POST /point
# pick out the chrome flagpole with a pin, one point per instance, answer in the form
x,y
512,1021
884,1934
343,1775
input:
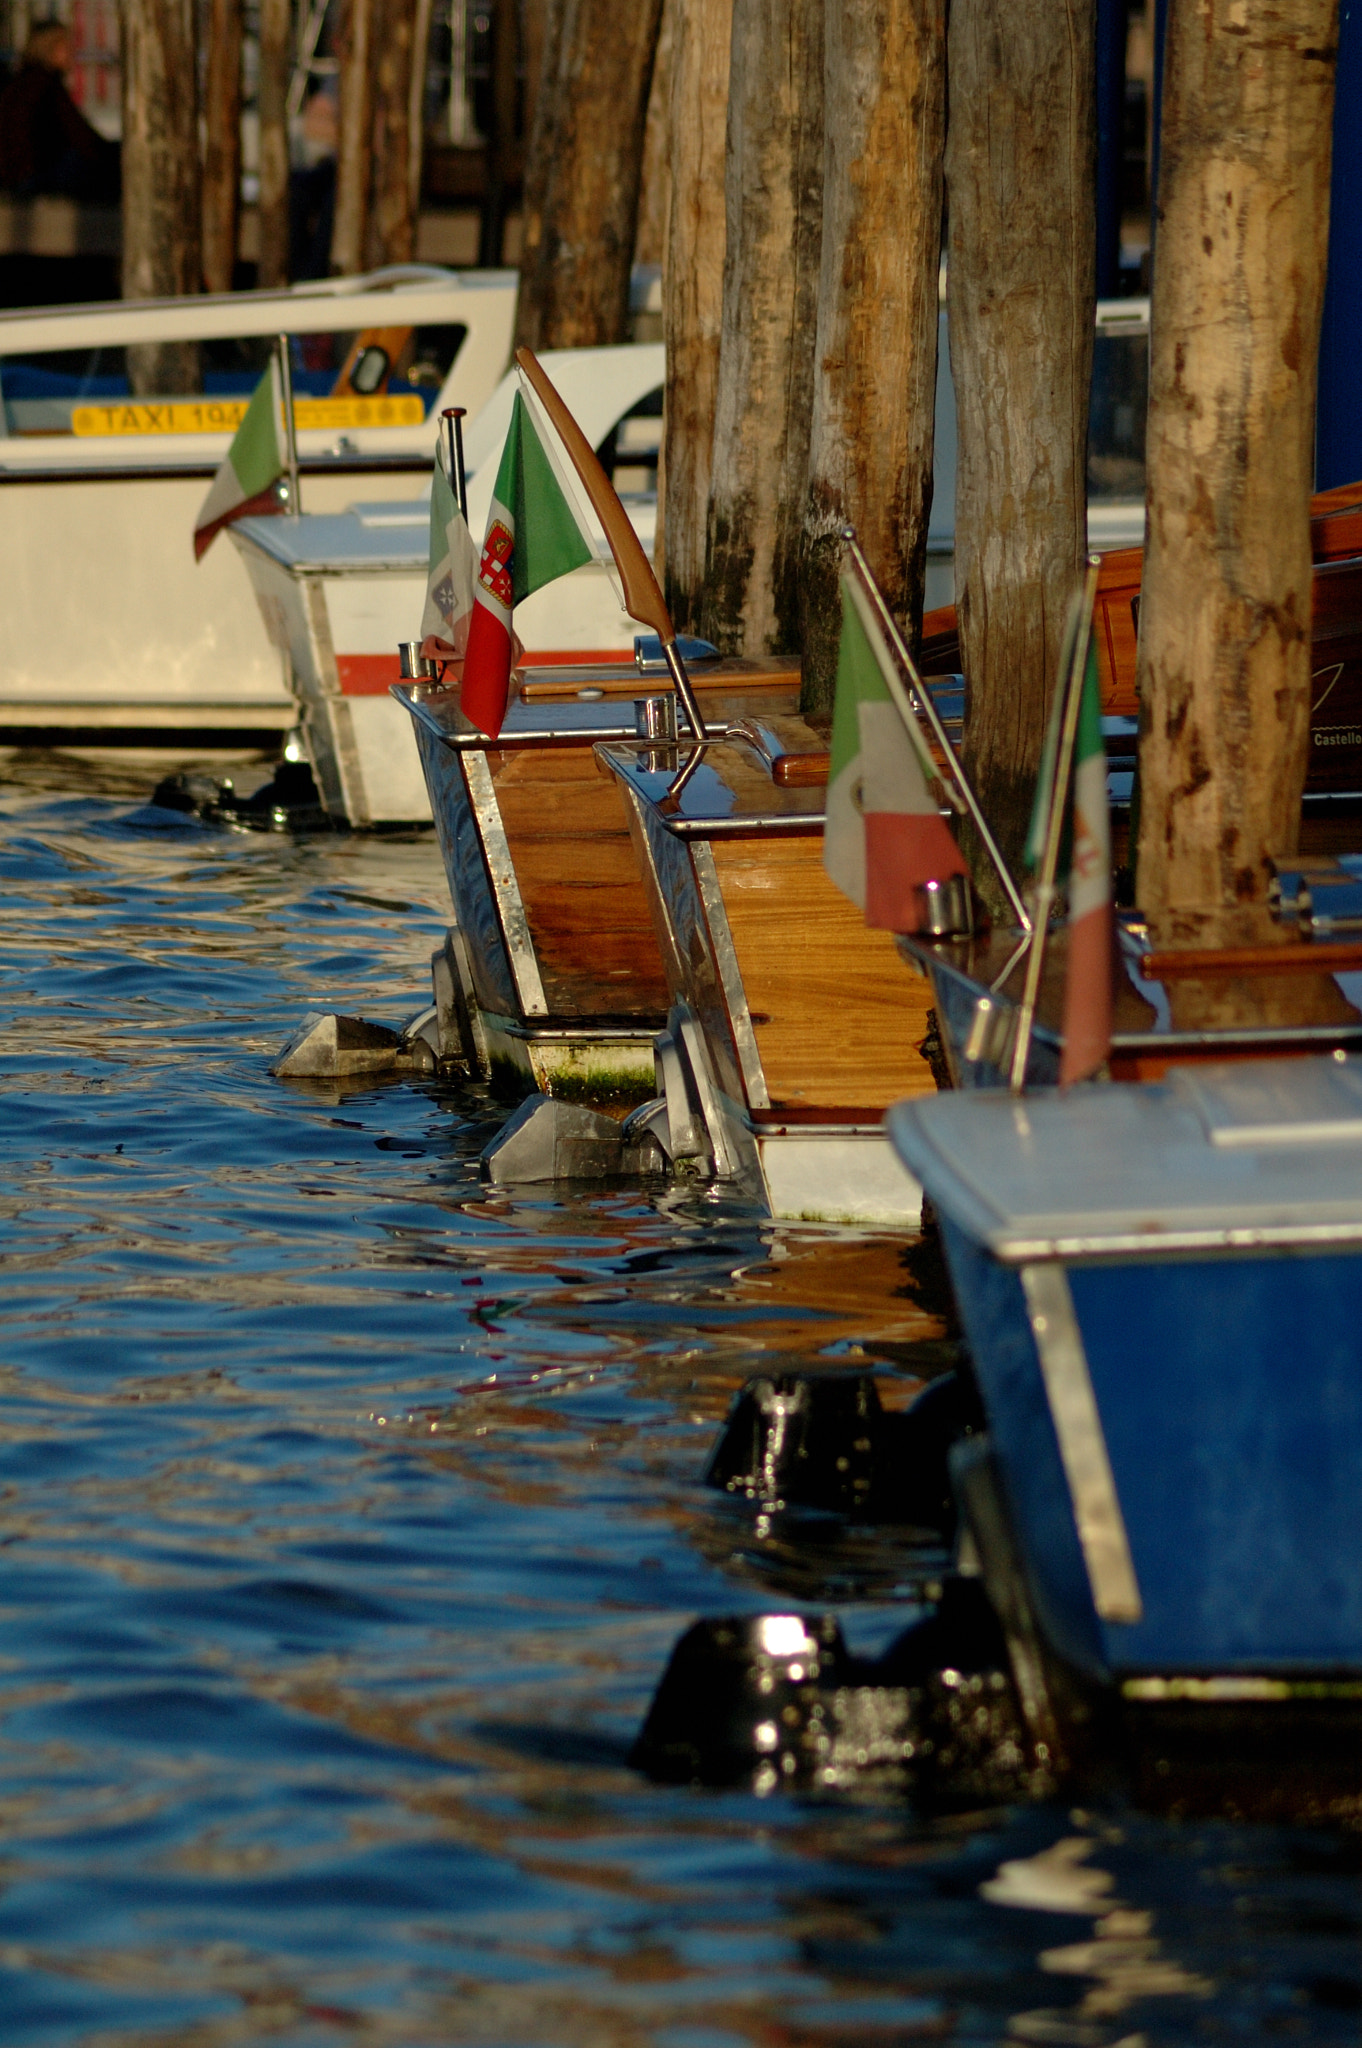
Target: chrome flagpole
x,y
1071,682
453,417
290,434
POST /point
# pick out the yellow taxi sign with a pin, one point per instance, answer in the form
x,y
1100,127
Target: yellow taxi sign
x,y
224,415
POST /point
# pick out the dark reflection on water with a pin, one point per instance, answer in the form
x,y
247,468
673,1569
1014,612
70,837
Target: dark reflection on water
x,y
347,1517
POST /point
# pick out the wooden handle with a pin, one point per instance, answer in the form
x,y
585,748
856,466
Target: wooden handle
x,y
1296,957
800,771
643,600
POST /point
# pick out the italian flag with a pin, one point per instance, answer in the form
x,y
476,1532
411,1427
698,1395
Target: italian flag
x,y
884,835
453,569
534,535
1088,983
251,467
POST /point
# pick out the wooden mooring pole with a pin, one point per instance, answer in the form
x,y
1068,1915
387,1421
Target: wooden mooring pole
x,y
276,22
874,358
1225,621
161,226
693,291
222,144
773,209
1020,174
582,180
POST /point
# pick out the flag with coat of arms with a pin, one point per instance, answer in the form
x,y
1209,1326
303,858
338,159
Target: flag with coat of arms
x,y
448,609
535,534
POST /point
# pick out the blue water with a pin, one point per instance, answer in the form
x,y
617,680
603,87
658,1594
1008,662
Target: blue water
x,y
347,1517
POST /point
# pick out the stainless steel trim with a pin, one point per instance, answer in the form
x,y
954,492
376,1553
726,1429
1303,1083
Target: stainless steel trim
x,y
791,822
1082,1446
572,1034
721,1127
139,472
1150,1246
515,927
730,976
327,717
832,1132
435,716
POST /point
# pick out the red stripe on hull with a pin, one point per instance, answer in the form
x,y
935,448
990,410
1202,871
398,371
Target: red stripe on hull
x,y
367,675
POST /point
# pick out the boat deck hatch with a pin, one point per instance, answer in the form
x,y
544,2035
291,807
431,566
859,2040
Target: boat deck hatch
x,y
1225,1155
1271,1102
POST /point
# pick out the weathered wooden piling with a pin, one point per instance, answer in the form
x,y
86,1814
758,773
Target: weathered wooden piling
x,y
655,170
161,224
1020,175
773,209
874,360
354,139
276,21
693,291
382,51
582,178
1224,657
390,226
221,144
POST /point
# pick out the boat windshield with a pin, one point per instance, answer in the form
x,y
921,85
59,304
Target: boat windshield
x,y
1119,402
387,376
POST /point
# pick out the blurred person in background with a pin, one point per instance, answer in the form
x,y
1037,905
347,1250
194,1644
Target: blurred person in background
x,y
46,143
312,186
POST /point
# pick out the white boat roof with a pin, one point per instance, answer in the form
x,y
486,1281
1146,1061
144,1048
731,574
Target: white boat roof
x,y
598,385
1222,1156
424,293
363,539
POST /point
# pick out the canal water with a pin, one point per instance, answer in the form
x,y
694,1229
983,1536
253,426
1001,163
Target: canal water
x,y
347,1517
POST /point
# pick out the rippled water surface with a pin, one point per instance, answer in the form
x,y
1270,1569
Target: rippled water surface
x,y
347,1518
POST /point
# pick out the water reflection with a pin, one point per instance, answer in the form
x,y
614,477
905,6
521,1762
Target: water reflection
x,y
347,1518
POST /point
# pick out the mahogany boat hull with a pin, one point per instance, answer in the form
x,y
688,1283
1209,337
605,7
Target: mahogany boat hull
x,y
805,1029
553,956
1157,1023
1334,766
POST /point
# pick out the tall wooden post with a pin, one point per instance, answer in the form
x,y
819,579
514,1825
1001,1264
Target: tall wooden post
x,y
501,139
161,249
390,223
574,288
222,144
1338,431
1020,168
354,140
543,39
693,292
765,375
874,385
1224,662
272,103
659,140
416,110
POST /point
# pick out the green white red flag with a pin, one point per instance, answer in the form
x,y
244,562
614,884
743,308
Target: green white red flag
x,y
884,834
1088,981
453,572
251,467
534,535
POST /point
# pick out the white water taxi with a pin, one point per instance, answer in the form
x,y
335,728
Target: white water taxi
x,y
111,629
